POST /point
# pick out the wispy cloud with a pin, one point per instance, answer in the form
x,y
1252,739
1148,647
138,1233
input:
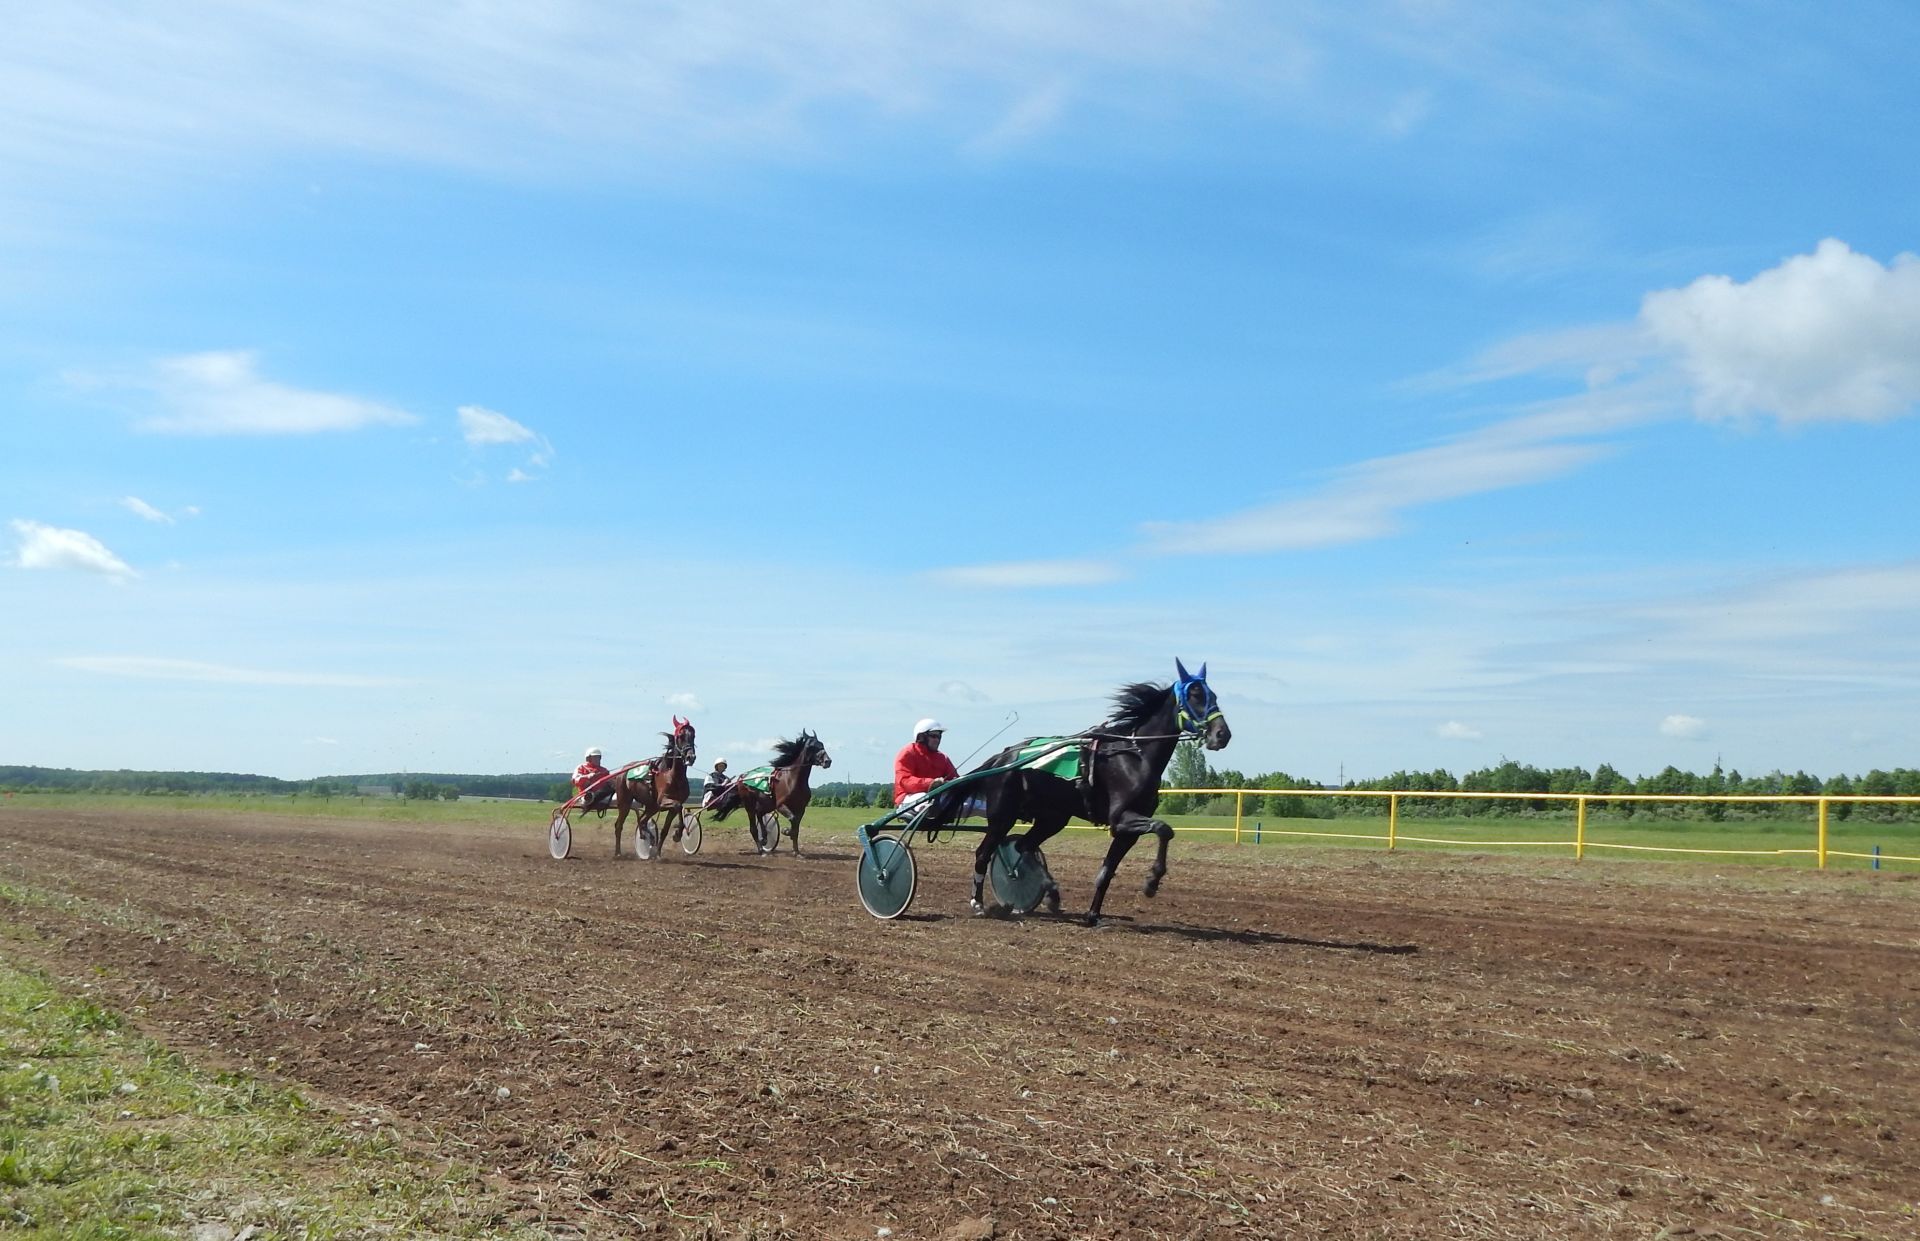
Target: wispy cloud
x,y
481,426
1364,501
146,512
145,668
222,393
52,547
1828,335
1029,573
1031,114
1686,727
683,702
484,428
1454,730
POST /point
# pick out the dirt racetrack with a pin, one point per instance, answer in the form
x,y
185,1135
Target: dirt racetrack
x,y
1282,1044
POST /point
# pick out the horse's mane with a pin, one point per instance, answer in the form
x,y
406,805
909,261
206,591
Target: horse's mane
x,y
786,753
1135,705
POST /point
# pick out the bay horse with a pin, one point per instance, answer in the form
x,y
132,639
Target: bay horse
x,y
1119,786
655,785
789,791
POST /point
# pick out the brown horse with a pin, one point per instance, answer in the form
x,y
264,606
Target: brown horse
x,y
655,785
787,794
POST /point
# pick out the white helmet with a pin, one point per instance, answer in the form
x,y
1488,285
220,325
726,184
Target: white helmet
x,y
928,726
593,752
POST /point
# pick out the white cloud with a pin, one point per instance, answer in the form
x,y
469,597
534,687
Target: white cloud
x,y
683,702
1684,726
220,393
1828,335
1454,730
1029,573
142,668
51,547
146,512
480,426
960,691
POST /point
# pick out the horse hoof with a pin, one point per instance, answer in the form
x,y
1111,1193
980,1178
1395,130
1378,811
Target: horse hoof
x,y
1151,887
979,910
1053,900
1093,920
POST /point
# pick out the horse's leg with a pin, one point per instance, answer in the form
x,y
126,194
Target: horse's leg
x,y
1046,825
1165,832
793,829
620,803
1124,832
997,829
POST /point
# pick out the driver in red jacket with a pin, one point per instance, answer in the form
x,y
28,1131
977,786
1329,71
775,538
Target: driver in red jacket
x,y
590,778
920,765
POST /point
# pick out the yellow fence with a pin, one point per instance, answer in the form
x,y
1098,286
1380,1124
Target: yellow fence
x,y
1579,842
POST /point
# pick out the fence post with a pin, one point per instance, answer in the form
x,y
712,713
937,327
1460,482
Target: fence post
x,y
1580,830
1239,812
1393,820
1823,833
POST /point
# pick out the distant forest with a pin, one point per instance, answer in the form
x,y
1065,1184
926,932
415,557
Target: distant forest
x,y
413,785
1190,769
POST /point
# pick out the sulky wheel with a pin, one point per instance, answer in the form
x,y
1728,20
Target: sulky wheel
x,y
887,877
1020,880
646,841
559,835
690,832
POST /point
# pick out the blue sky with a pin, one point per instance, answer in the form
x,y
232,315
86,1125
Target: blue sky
x,y
397,387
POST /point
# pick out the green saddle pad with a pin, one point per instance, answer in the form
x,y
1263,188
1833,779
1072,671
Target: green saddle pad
x,y
641,771
759,778
1057,756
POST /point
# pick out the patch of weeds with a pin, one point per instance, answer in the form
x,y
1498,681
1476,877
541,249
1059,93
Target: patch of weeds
x,y
106,1136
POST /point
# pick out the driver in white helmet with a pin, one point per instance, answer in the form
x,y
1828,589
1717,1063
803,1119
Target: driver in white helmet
x,y
591,779
920,765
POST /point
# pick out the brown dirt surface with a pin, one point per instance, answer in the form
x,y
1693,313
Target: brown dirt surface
x,y
1283,1043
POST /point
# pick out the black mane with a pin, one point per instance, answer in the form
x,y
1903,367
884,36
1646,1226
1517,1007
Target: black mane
x,y
1135,705
786,753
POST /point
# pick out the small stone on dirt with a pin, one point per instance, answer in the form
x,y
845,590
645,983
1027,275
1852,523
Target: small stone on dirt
x,y
970,1230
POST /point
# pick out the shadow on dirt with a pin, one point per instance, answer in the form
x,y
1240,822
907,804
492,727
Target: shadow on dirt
x,y
1209,934
1202,934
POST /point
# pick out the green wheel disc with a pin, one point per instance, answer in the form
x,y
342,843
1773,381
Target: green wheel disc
x,y
887,877
1019,879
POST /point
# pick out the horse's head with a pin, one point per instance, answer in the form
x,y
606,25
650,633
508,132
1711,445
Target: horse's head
x,y
680,746
1198,710
813,751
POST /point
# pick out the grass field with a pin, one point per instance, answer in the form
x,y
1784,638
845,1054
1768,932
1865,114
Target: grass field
x,y
105,1135
1647,836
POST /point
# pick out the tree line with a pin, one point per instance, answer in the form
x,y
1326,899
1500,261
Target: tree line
x,y
411,785
1190,769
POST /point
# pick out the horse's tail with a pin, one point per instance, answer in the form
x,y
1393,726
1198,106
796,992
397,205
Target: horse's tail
x,y
726,801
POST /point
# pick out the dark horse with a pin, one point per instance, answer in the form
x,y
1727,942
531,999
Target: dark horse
x,y
1119,785
655,785
788,792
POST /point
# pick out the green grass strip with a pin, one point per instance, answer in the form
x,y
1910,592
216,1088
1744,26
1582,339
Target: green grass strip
x,y
105,1135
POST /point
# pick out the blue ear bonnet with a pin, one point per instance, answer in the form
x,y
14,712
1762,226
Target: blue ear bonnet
x,y
1183,684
